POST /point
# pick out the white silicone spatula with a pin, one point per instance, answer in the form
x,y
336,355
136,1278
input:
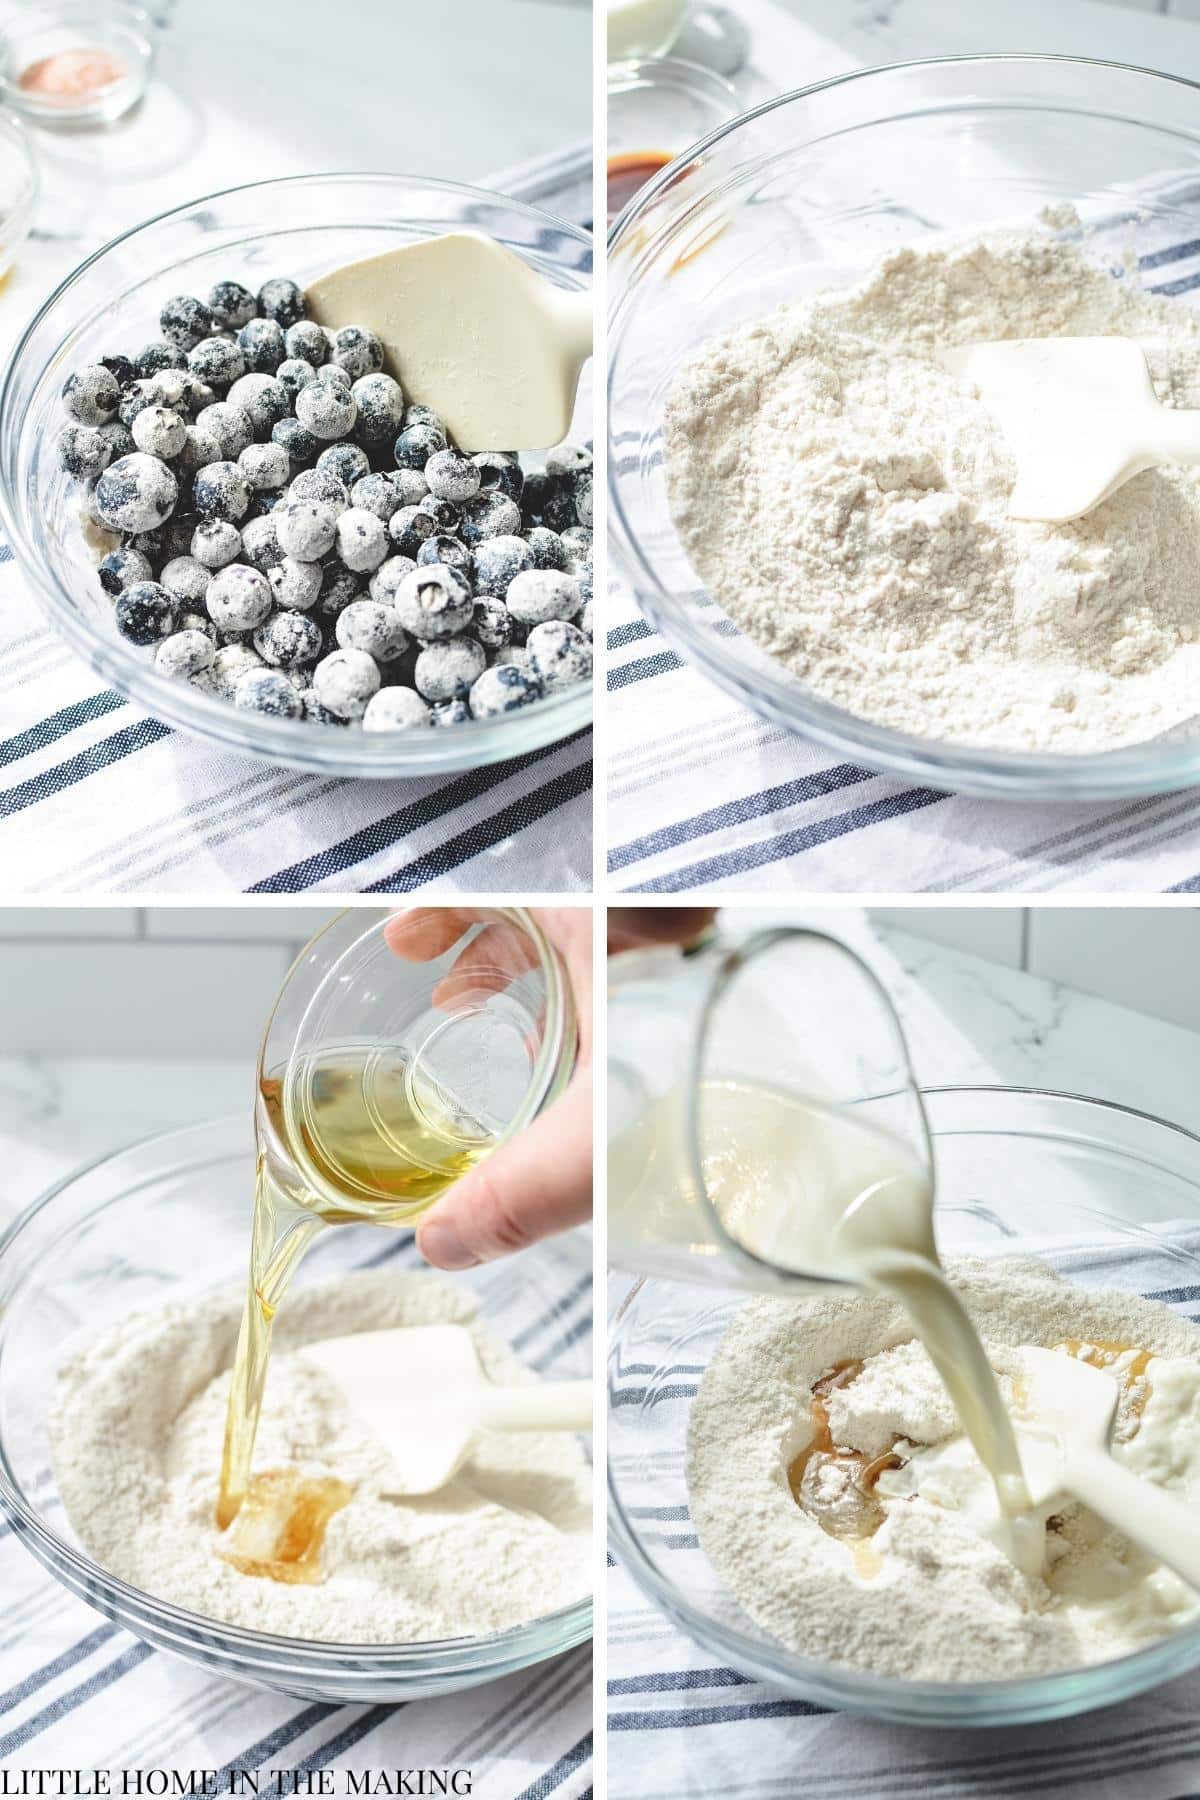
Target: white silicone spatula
x,y
1077,1404
421,1392
471,330
1079,415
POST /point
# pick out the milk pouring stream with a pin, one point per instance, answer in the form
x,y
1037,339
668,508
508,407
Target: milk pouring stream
x,y
772,1184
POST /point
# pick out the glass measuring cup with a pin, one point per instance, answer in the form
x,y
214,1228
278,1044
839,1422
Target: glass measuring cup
x,y
749,1084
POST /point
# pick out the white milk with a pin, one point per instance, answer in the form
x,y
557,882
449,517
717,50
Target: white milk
x,y
814,1192
642,27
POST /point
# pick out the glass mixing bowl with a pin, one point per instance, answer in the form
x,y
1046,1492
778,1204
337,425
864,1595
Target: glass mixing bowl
x,y
1111,1197
168,1219
807,192
299,227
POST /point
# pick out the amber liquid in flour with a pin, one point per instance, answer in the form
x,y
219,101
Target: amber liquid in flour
x,y
389,1158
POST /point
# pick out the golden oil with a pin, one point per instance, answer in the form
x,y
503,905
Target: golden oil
x,y
368,1142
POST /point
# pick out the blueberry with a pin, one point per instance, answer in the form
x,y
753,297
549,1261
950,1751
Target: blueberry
x,y
449,550
327,409
489,515
260,545
409,527
503,688
217,362
92,395
122,568
452,476
288,639
295,585
558,510
568,459
443,512
540,594
546,548
119,439
136,493
231,305
261,344
267,691
356,350
380,405
300,445
83,451
231,662
186,579
387,578
346,461
184,654
416,444
416,414
120,367
307,341
362,540
215,543
345,682
159,355
221,492
322,485
340,588
450,712
146,612
366,625
559,654
184,320
492,624
434,603
238,598
378,494
306,529
447,671
583,500
134,399
395,709
281,301
230,426
160,431
293,374
265,466
263,399
498,473
497,561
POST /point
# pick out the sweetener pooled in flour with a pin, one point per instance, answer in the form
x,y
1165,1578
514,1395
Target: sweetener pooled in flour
x,y
844,499
943,1603
136,1430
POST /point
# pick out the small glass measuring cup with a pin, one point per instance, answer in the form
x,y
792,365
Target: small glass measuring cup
x,y
402,1048
787,1031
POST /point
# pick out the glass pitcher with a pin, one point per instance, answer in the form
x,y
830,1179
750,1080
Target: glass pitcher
x,y
757,1090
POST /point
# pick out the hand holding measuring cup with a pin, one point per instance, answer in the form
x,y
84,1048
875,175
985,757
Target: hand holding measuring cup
x,y
540,1181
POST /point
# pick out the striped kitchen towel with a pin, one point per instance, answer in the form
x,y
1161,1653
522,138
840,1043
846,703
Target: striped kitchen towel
x,y
97,798
681,1724
704,795
76,1690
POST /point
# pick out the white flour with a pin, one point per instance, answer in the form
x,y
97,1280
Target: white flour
x,y
136,1432
941,1603
844,498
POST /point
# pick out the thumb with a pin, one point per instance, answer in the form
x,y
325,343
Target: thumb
x,y
539,1183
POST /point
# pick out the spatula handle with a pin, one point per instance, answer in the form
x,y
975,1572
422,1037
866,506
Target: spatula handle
x,y
572,313
1160,1522
542,1406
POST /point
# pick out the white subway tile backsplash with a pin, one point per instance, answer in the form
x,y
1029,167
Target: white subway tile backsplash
x,y
237,924
991,931
137,999
68,922
1147,958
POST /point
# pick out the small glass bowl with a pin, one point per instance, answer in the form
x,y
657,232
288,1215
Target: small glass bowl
x,y
169,1219
1084,1183
20,185
642,27
300,227
657,107
807,192
124,33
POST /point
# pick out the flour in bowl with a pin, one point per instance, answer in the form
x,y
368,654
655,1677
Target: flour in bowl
x,y
843,497
136,1430
895,1580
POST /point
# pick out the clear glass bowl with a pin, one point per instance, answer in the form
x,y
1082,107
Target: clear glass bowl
x,y
298,227
659,105
124,32
167,1219
1081,1182
807,192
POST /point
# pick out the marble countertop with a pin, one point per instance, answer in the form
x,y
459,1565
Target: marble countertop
x,y
459,91
968,1020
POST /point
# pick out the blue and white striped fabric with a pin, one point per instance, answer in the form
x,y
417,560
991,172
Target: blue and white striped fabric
x,y
96,798
704,795
75,1689
682,1725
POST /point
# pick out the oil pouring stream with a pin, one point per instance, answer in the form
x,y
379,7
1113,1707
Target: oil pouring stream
x,y
370,1136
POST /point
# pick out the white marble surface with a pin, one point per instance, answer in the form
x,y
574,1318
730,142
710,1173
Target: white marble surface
x,y
459,89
